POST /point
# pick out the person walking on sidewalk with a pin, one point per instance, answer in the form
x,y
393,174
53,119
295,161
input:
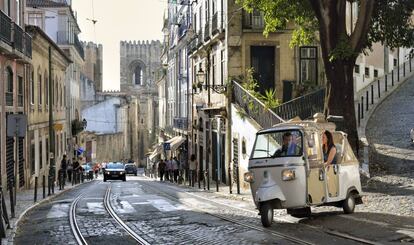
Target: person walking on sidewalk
x,y
175,169
69,171
63,168
193,169
168,170
161,168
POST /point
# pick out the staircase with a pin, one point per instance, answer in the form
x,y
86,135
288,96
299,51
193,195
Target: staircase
x,y
304,107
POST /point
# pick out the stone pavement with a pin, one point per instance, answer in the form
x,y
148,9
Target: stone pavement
x,y
388,132
25,202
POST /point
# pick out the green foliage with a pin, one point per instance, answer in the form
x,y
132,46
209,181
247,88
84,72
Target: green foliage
x,y
343,50
269,99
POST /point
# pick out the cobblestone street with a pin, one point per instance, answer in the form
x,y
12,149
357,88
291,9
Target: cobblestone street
x,y
165,213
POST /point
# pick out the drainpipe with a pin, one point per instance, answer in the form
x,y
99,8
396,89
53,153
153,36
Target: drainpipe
x,y
51,131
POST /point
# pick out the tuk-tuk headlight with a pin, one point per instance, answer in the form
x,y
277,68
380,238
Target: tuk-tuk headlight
x,y
249,177
288,174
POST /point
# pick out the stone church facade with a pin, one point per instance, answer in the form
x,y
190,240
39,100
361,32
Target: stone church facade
x,y
139,64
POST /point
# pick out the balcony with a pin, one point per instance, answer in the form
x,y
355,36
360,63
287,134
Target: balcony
x,y
207,32
28,45
182,30
214,24
199,38
9,98
253,21
18,38
64,38
180,123
5,28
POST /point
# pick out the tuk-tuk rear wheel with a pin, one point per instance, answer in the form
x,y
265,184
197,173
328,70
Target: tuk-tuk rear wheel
x,y
349,204
266,214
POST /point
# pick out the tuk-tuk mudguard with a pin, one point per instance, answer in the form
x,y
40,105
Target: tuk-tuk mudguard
x,y
268,193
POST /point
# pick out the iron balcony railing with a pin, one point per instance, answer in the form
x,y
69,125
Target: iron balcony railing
x,y
169,130
207,31
192,46
9,99
5,28
28,45
304,107
180,123
254,108
18,37
199,38
63,37
214,24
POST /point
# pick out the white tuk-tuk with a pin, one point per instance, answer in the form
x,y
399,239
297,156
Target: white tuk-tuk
x,y
286,170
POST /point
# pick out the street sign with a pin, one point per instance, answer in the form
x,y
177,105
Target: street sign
x,y
167,146
16,124
58,127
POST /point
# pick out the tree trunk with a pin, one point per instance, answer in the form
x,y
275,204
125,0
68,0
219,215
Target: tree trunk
x,y
341,97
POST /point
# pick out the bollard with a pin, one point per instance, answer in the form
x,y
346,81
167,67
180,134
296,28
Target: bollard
x,y
403,71
208,179
410,63
44,186
362,107
199,174
11,199
392,78
229,172
35,190
386,83
237,179
372,94
204,179
379,89
217,180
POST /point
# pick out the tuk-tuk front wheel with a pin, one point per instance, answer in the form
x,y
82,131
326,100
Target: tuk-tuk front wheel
x,y
349,204
266,214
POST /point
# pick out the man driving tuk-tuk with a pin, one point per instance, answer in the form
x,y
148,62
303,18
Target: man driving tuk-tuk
x,y
299,164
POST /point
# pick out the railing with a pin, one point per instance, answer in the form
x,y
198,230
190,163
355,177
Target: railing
x,y
254,108
28,45
214,24
367,97
18,37
180,123
207,31
9,99
192,46
304,107
79,47
199,38
63,38
5,28
169,130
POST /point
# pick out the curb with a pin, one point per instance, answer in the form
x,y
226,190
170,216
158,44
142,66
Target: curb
x,y
10,239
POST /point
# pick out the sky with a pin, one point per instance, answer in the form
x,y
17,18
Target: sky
x,y
131,20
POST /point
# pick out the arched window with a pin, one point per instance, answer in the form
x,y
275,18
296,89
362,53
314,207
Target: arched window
x,y
137,77
10,87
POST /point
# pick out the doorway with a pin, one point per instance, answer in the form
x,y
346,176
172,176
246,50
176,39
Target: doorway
x,y
263,63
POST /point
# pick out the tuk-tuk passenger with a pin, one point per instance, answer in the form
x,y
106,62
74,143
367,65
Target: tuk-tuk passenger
x,y
329,149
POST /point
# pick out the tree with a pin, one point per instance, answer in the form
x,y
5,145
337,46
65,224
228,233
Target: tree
x,y
387,21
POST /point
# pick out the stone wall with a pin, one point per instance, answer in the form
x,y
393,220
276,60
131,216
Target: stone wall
x,y
110,147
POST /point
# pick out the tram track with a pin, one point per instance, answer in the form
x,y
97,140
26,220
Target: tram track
x,y
334,233
77,232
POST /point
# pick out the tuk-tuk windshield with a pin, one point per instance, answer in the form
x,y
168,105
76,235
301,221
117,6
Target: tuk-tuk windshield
x,y
286,143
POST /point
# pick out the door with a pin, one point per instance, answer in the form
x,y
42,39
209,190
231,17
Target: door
x,y
316,177
332,174
263,62
213,146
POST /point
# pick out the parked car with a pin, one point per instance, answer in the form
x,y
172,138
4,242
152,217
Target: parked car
x,y
115,170
130,168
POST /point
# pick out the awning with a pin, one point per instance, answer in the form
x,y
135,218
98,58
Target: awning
x,y
156,152
176,142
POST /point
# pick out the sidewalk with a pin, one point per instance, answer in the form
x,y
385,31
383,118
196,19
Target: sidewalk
x,y
24,203
224,190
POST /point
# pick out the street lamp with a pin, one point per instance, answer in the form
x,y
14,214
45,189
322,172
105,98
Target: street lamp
x,y
84,123
201,82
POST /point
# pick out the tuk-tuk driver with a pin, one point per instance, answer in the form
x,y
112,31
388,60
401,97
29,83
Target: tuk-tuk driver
x,y
289,147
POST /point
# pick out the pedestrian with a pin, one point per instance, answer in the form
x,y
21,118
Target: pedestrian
x,y
175,169
193,169
76,170
155,170
161,168
169,170
64,167
69,171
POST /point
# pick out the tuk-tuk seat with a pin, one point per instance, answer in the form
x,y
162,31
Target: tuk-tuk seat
x,y
338,153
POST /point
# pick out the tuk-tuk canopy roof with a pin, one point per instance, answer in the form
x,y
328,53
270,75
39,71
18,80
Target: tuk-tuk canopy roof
x,y
307,125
